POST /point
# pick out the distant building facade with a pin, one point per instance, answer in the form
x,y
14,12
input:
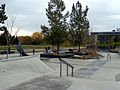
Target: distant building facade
x,y
105,37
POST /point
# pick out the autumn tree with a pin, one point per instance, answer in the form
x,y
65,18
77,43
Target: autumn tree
x,y
26,40
37,37
56,32
79,24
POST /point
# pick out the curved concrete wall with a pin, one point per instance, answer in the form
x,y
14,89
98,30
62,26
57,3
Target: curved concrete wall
x,y
17,70
32,64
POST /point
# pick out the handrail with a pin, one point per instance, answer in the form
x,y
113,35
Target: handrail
x,y
119,52
108,56
66,63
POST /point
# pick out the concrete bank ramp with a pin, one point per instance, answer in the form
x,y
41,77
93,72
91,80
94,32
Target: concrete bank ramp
x,y
17,70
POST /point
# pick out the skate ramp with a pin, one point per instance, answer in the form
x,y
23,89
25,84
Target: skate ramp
x,y
20,50
15,71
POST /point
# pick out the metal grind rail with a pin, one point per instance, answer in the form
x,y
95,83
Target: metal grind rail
x,y
119,51
67,64
108,57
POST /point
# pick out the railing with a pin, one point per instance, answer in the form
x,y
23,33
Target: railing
x,y
67,64
108,57
119,51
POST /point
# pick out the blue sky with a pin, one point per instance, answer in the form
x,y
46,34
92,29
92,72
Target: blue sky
x,y
104,15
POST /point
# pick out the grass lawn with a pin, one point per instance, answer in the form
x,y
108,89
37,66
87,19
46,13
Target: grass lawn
x,y
107,44
13,47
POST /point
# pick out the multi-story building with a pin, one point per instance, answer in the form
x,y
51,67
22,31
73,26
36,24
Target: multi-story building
x,y
105,37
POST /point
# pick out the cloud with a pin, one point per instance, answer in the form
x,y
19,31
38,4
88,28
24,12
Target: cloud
x,y
104,15
20,32
23,32
29,14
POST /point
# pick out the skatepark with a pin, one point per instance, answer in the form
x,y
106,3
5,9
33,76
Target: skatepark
x,y
31,73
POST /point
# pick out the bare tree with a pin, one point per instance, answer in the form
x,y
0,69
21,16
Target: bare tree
x,y
10,25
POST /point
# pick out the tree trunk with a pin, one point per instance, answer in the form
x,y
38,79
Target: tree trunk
x,y
79,47
58,48
52,47
8,48
73,45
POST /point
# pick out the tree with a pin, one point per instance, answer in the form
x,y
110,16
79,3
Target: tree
x,y
57,22
86,33
26,40
3,36
79,24
6,38
3,17
37,37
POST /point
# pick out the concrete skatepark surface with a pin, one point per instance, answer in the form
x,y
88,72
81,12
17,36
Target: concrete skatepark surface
x,y
30,73
17,70
44,83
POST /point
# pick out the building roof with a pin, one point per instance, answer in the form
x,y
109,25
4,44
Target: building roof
x,y
107,33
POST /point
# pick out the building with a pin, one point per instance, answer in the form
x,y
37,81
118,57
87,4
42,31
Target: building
x,y
105,37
